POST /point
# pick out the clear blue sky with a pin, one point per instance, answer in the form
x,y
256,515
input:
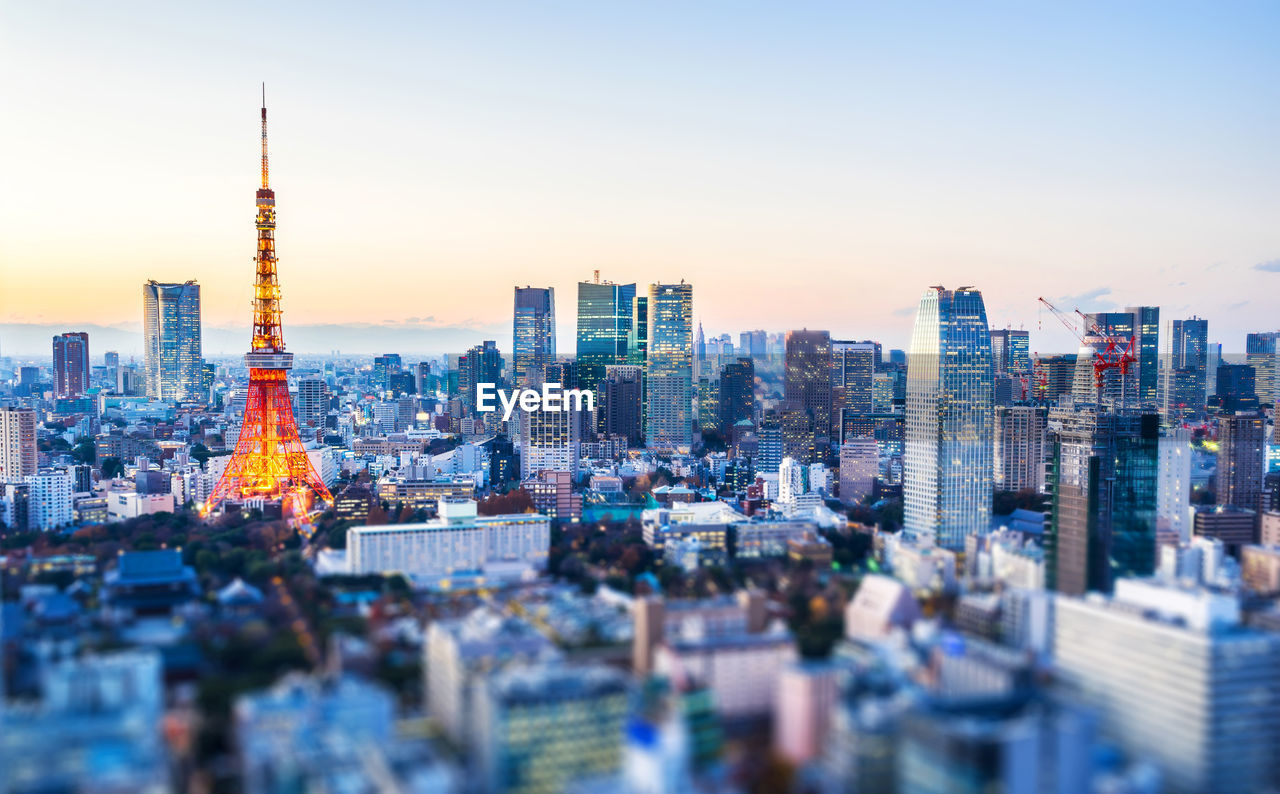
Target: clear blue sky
x,y
803,164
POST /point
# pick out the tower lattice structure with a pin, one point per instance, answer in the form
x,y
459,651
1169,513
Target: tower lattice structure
x,y
269,460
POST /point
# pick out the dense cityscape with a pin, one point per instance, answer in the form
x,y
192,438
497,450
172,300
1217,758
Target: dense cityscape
x,y
785,555
762,562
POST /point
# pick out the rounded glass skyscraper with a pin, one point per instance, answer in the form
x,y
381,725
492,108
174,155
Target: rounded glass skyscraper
x,y
949,432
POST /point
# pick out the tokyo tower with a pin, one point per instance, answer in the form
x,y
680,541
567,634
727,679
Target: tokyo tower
x,y
269,461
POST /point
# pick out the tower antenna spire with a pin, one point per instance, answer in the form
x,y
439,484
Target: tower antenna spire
x,y
264,136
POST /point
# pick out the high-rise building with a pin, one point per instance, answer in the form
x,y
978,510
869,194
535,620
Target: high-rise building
x,y
50,494
70,364
1173,489
1236,388
422,382
17,444
707,396
669,381
1105,471
534,334
112,360
1146,348
313,402
1020,447
737,392
384,367
853,374
604,323
859,467
1260,353
1242,450
1054,376
480,364
1115,387
769,451
550,441
1185,371
638,337
808,390
619,403
1011,351
753,344
544,727
949,436
1176,677
171,341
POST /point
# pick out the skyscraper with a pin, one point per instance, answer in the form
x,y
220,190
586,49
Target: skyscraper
x,y
1236,388
313,402
1105,484
619,400
480,364
1242,446
70,364
534,334
550,441
1185,372
853,381
1260,352
171,341
384,367
1118,388
808,390
1146,347
669,381
604,323
112,359
17,444
737,393
948,446
1019,447
1011,351
1173,486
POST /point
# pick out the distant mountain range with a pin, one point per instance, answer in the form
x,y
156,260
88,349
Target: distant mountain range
x,y
33,340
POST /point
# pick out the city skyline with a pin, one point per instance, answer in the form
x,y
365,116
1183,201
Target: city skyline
x,y
1141,178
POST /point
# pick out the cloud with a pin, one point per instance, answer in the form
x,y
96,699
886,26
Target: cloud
x,y
1272,266
1086,301
906,311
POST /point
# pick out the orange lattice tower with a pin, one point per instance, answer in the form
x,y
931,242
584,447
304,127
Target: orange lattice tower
x,y
269,460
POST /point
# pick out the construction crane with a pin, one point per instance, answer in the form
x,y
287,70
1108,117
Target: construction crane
x,y
1109,350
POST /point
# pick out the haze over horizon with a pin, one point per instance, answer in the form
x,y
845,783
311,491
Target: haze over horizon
x,y
814,165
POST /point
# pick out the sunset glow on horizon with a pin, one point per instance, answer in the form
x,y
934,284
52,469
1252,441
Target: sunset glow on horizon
x,y
810,165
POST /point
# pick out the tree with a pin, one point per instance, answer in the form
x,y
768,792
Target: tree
x,y
377,514
517,501
200,453
111,468
85,451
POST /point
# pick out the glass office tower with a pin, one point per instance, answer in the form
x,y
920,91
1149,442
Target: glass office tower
x,y
171,331
534,334
669,381
604,322
1105,477
949,429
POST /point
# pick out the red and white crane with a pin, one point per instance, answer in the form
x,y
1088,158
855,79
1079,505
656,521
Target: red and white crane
x,y
1110,351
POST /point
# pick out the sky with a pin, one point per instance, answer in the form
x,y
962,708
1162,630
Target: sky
x,y
801,164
